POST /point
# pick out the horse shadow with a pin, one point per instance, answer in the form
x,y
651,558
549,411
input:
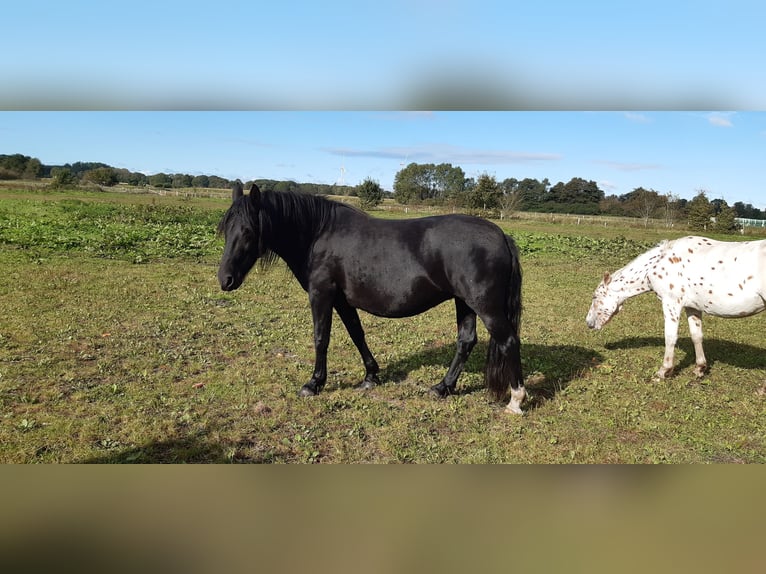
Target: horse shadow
x,y
738,355
548,369
196,448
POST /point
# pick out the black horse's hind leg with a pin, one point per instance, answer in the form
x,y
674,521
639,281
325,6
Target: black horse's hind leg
x,y
503,368
466,340
350,318
321,311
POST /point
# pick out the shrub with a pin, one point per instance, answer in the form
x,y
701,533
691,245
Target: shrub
x,y
370,193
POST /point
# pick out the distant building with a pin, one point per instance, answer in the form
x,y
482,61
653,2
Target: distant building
x,y
750,222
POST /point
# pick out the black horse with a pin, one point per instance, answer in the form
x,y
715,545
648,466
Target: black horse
x,y
346,260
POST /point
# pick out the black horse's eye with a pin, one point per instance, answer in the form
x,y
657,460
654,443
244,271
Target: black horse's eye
x,y
245,234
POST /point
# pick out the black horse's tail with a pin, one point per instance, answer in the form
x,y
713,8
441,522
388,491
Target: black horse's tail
x,y
504,357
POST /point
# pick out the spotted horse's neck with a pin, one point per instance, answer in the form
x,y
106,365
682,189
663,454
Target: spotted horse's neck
x,y
634,278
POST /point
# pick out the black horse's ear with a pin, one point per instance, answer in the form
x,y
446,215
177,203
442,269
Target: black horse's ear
x,y
236,190
255,195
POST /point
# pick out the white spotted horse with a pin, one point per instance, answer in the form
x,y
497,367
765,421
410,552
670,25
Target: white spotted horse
x,y
696,274
346,260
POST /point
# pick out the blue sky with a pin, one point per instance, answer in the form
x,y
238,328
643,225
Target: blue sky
x,y
398,54
677,152
654,56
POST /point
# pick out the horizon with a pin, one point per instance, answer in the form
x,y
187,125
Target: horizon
x,y
148,175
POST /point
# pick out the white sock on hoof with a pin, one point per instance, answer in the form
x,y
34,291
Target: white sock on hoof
x,y
517,397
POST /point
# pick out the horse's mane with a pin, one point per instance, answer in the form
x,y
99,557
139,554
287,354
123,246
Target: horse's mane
x,y
283,218
303,210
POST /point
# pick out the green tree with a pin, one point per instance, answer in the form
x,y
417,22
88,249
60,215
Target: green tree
x,y
643,203
161,180
219,182
407,186
286,186
201,181
486,194
101,176
533,193
511,198
747,211
575,196
670,208
78,168
725,219
700,212
448,181
370,193
33,169
14,164
611,205
181,180
134,178
420,182
63,177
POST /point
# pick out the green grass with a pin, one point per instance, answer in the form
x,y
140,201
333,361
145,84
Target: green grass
x,y
117,345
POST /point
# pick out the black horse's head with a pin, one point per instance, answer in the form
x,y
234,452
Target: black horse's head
x,y
241,230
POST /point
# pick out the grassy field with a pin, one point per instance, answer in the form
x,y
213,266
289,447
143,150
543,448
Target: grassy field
x,y
117,345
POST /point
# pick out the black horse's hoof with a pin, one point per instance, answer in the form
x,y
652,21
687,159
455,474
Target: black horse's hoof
x,y
307,391
441,390
366,385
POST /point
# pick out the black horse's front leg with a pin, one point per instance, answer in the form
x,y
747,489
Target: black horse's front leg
x,y
321,312
350,318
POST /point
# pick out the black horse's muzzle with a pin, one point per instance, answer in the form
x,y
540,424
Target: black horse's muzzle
x,y
228,281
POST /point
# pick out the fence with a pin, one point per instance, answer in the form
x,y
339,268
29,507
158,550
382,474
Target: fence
x,y
751,222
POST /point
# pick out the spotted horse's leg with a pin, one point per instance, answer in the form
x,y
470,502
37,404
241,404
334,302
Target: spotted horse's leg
x,y
672,314
695,330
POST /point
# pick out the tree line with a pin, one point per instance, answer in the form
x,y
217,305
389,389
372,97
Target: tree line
x,y
430,184
447,184
19,166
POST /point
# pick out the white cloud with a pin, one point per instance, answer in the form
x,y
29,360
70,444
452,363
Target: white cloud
x,y
637,118
608,185
440,153
625,166
720,119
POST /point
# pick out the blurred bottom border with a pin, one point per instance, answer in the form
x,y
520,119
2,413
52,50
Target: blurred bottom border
x,y
380,518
